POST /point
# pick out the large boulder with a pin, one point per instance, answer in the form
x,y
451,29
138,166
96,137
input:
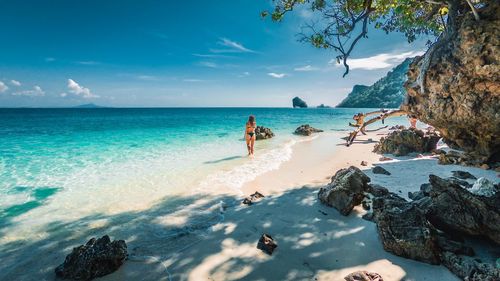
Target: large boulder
x,y
262,133
404,229
459,93
298,102
403,142
97,258
455,209
346,190
306,130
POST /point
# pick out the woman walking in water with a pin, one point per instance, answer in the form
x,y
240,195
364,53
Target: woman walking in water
x,y
250,134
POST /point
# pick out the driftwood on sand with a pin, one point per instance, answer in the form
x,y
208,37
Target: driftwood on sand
x,y
361,125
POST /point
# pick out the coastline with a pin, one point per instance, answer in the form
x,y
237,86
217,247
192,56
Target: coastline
x,y
212,236
314,241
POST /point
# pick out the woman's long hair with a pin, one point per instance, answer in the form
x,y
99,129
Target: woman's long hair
x,y
251,120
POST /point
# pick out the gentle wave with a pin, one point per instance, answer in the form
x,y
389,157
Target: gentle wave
x,y
236,177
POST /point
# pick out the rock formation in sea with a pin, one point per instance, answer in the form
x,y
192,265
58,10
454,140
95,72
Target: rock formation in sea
x,y
455,87
306,130
388,92
403,142
323,106
298,102
97,258
262,133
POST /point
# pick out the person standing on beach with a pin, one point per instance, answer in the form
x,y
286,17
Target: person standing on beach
x,y
250,134
413,122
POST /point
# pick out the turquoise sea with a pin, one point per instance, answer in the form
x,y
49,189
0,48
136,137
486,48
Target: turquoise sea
x,y
157,177
110,159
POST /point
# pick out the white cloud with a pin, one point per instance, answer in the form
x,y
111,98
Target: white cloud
x,y
208,64
15,83
306,68
3,87
379,61
90,62
63,95
36,92
244,74
276,75
231,47
78,90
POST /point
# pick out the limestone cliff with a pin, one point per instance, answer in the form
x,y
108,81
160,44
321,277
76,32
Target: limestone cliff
x,y
388,92
461,85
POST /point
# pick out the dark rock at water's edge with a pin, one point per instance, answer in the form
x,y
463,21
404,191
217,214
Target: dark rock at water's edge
x,y
470,268
460,93
388,92
266,244
346,190
323,106
262,133
363,276
380,170
97,258
306,130
456,209
298,102
464,159
404,229
403,142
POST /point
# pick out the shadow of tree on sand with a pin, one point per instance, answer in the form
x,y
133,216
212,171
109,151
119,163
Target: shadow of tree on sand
x,y
200,238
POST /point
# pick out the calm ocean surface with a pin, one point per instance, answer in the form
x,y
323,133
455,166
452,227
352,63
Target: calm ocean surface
x,y
97,157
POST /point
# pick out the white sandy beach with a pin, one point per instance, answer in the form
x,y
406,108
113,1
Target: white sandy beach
x,y
212,236
315,242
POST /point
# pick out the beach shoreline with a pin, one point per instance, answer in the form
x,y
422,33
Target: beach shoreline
x,y
212,236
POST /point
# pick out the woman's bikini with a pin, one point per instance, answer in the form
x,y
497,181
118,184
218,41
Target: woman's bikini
x,y
252,133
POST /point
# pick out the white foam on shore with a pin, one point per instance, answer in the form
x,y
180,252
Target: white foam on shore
x,y
235,177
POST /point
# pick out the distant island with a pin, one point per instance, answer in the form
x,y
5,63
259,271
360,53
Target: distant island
x,y
388,92
89,105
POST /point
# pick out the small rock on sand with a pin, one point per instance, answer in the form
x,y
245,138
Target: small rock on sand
x,y
363,276
463,175
266,244
252,198
384,158
380,170
364,163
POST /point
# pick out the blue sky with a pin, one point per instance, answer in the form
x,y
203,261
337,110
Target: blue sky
x,y
174,53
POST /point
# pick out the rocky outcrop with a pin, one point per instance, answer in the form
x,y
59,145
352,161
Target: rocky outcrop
x,y
306,130
262,133
97,258
346,190
388,92
298,102
404,230
456,209
469,268
463,175
461,87
403,142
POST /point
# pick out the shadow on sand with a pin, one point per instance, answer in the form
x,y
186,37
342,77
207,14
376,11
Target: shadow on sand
x,y
200,238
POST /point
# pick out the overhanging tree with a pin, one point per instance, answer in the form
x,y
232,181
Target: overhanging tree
x,y
341,24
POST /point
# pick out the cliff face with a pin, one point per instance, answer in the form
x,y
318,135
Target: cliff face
x,y
461,95
388,92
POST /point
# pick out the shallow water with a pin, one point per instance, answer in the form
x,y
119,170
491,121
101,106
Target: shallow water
x,y
67,174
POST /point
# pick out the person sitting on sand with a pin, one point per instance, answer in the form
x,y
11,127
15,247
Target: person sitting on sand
x,y
250,134
413,121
